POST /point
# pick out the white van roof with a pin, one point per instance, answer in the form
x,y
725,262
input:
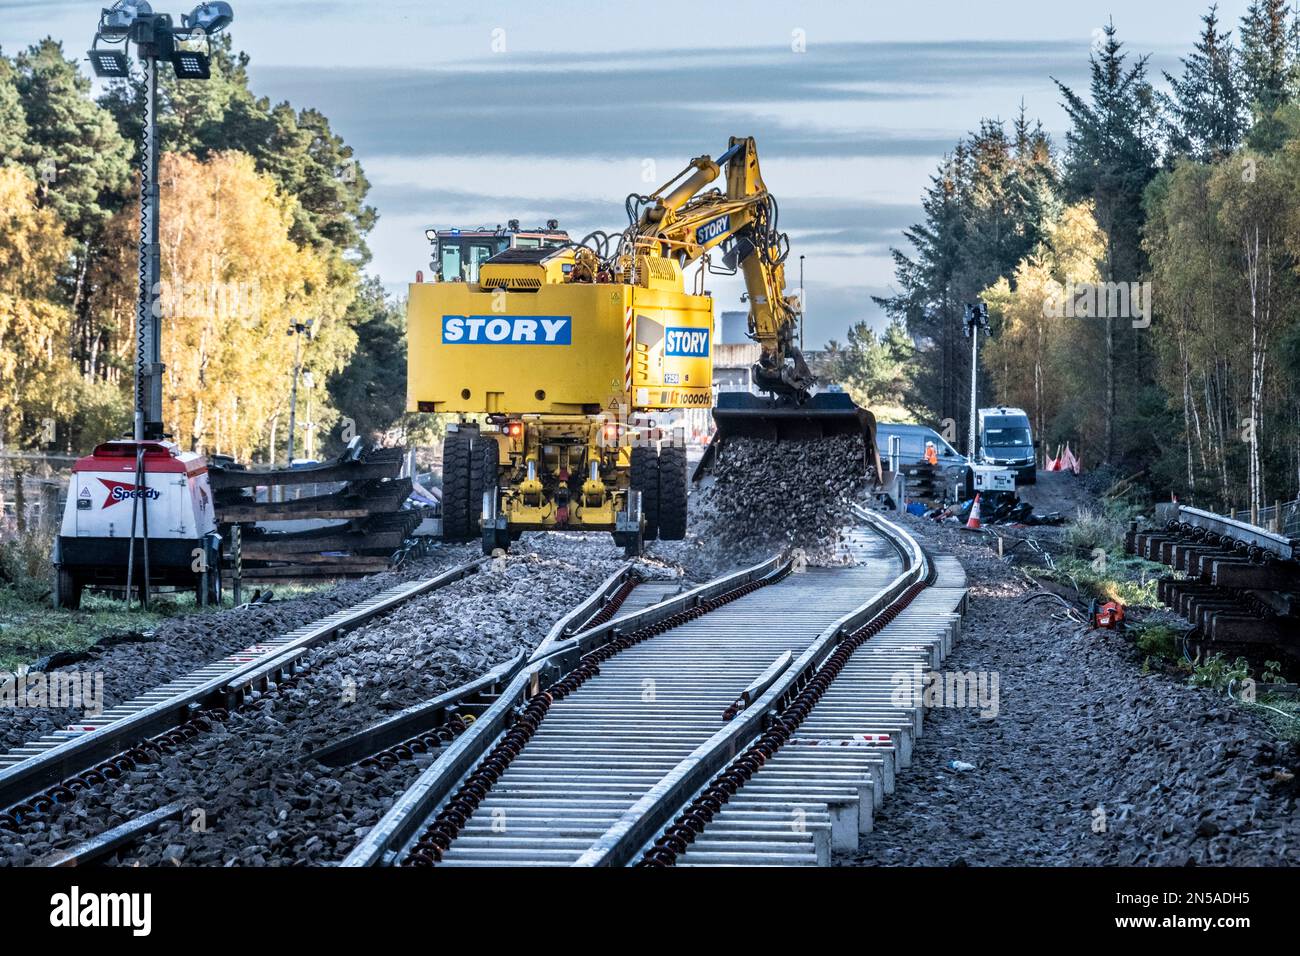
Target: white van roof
x,y
1003,410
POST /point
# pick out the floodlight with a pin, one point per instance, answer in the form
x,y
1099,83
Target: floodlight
x,y
116,21
209,18
109,64
190,65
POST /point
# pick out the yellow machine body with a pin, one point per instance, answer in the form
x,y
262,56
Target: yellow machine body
x,y
524,341
565,372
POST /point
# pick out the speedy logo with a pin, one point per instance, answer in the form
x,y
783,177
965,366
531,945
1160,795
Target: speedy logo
x,y
507,330
123,491
686,343
711,230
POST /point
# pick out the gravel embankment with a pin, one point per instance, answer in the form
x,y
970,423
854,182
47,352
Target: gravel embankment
x,y
265,801
183,644
1178,775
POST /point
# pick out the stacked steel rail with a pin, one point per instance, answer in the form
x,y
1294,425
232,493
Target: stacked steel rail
x,y
370,529
1237,585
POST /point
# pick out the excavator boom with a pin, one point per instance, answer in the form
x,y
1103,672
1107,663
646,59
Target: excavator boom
x,y
680,220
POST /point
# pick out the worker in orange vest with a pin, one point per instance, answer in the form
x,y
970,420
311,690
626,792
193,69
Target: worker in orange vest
x,y
931,455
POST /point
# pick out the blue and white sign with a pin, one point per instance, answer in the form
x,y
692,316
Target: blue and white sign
x,y
686,343
712,230
507,330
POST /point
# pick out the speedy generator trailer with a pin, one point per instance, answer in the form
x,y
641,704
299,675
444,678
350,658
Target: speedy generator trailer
x,y
566,376
145,497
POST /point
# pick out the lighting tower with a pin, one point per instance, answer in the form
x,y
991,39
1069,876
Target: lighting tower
x,y
156,40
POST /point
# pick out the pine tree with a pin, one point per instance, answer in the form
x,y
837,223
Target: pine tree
x,y
984,211
80,158
1207,107
1110,159
1266,55
298,149
13,121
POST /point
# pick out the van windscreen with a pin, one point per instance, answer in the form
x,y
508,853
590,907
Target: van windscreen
x,y
1003,431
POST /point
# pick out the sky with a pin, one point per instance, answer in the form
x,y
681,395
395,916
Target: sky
x,y
471,114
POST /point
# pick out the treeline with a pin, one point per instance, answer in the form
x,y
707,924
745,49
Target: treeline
x,y
264,221
1142,277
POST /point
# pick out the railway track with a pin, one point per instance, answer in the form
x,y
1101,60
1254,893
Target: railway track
x,y
55,767
415,730
751,720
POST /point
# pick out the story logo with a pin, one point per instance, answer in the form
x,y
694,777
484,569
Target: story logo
x,y
119,491
712,230
74,909
686,343
507,329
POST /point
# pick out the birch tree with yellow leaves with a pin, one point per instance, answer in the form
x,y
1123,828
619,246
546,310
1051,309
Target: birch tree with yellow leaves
x,y
1034,359
36,374
232,282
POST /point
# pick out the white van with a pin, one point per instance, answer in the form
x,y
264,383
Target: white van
x,y
1005,439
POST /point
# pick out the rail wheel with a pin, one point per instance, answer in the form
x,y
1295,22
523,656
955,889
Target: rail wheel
x,y
672,493
456,486
645,479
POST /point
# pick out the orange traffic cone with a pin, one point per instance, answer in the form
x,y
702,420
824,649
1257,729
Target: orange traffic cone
x,y
973,522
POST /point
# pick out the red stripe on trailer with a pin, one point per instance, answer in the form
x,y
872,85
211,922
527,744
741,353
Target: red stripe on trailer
x,y
159,458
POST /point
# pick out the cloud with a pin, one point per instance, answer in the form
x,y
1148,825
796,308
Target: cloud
x,y
684,101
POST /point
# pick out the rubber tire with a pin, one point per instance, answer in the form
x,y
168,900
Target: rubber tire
x,y
645,479
455,486
672,493
475,502
67,590
487,465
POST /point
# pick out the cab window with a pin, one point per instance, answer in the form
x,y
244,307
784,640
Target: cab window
x,y
479,253
451,263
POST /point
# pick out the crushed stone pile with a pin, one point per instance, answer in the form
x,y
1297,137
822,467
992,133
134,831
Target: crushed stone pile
x,y
764,496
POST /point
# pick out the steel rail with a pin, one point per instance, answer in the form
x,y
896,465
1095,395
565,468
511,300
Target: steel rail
x,y
110,841
171,707
623,841
401,825
547,775
427,725
1282,546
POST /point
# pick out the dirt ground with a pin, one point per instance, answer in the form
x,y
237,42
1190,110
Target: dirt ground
x,y
1059,491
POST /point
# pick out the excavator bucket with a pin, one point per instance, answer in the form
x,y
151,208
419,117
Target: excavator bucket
x,y
741,414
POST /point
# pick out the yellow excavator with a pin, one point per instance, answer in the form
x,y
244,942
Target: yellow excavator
x,y
564,355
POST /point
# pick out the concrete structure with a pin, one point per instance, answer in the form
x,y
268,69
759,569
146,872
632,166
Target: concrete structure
x,y
733,328
731,366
